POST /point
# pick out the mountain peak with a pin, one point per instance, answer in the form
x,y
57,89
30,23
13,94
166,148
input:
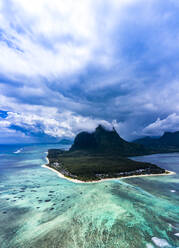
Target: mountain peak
x,y
168,142
101,127
103,141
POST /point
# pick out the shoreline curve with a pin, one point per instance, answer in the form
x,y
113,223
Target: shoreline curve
x,y
168,173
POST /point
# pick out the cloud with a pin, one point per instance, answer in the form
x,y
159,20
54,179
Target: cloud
x,y
8,135
66,124
44,39
171,123
69,65
53,39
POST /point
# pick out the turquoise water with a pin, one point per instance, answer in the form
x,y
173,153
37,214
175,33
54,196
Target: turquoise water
x,y
39,209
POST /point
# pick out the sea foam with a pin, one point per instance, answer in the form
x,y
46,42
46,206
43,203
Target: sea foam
x,y
18,151
160,242
150,246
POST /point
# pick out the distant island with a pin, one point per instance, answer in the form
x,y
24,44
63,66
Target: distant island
x,y
101,155
168,142
65,142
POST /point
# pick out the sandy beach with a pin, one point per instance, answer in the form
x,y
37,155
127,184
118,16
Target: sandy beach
x,y
168,173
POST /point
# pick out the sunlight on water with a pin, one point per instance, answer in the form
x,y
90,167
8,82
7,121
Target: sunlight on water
x,y
39,209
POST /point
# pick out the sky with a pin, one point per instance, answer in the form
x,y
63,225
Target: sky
x,y
67,66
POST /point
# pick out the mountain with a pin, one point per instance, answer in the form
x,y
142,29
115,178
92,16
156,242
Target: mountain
x,y
98,155
168,142
106,141
65,142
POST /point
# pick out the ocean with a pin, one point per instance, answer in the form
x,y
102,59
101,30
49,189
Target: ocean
x,y
38,209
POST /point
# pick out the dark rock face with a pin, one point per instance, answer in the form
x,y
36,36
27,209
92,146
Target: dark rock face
x,y
98,155
108,140
105,141
84,140
170,139
167,142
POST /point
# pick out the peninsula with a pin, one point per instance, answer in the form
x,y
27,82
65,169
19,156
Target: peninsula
x,y
100,155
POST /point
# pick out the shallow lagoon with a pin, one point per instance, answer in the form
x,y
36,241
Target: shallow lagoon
x,y
39,209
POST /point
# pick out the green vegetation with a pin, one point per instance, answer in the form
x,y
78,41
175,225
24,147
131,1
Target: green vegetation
x,y
168,142
98,155
88,167
106,142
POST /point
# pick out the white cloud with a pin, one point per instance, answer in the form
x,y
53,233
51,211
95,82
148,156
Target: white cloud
x,y
8,135
66,124
52,37
170,123
56,38
109,59
4,123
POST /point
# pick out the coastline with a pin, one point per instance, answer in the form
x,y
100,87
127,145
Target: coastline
x,y
168,173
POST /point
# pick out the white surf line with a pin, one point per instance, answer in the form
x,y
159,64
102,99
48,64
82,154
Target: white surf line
x,y
61,175
160,242
18,151
105,179
101,180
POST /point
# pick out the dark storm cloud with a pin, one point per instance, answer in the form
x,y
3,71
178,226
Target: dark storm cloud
x,y
118,66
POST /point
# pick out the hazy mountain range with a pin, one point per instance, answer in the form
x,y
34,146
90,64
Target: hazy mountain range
x,y
168,142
